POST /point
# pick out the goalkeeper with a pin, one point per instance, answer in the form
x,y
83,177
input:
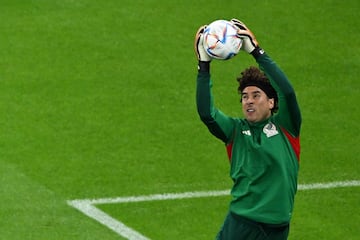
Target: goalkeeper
x,y
263,147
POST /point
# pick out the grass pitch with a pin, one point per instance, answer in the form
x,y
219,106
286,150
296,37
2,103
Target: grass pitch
x,y
98,100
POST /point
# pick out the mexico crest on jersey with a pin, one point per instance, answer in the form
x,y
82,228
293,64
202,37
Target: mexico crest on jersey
x,y
270,130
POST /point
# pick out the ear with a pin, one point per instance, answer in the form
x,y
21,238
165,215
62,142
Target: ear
x,y
271,102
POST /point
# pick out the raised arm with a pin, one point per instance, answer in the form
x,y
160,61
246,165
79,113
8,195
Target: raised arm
x,y
217,122
289,115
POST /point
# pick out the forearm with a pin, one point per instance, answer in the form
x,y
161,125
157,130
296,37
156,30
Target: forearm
x,y
276,76
217,122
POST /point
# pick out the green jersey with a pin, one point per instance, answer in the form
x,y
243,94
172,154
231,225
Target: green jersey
x,y
264,157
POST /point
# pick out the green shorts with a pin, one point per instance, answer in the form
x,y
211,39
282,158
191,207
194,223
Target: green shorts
x,y
239,228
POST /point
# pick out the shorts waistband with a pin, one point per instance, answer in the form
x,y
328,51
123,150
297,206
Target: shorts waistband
x,y
264,225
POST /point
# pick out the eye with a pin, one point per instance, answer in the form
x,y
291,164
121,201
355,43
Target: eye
x,y
244,97
256,95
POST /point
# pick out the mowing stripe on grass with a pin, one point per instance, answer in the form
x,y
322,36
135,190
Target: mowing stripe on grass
x,y
87,206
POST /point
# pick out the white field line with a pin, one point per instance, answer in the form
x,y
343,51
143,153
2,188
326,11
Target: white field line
x,y
87,206
103,218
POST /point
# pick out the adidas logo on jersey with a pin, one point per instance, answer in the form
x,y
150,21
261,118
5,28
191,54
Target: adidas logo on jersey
x,y
246,132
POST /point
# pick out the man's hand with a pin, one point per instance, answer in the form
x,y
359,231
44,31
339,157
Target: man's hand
x,y
199,47
249,40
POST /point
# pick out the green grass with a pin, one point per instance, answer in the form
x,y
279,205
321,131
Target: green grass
x,y
97,100
326,214
171,219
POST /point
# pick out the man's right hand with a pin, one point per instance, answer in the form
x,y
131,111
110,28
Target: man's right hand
x,y
199,47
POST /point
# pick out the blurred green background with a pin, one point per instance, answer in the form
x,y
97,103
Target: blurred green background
x,y
97,99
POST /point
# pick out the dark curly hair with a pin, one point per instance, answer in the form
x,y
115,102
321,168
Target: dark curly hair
x,y
252,76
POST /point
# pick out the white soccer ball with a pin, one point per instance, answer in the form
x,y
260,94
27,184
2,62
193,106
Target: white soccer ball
x,y
221,40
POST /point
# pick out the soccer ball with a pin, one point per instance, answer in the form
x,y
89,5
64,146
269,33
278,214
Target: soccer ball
x,y
221,40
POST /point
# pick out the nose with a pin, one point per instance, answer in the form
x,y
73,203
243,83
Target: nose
x,y
249,100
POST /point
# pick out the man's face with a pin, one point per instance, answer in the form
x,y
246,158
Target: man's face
x,y
256,105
